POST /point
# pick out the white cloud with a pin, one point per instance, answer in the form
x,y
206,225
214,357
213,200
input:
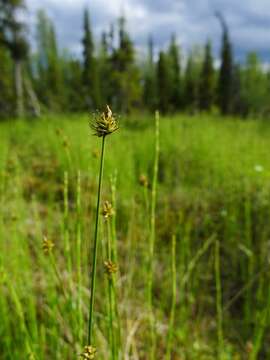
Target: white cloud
x,y
192,20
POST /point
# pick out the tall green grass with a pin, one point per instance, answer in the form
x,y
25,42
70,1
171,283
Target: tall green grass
x,y
212,188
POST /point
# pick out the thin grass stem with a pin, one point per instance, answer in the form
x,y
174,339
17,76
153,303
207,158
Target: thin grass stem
x,y
95,249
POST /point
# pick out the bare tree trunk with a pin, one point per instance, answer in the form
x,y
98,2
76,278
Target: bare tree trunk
x,y
32,97
19,88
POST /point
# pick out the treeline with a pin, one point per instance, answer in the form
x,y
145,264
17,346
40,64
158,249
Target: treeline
x,y
109,71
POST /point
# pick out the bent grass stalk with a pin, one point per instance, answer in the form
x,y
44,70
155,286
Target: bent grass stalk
x,y
219,301
79,260
152,241
66,227
172,315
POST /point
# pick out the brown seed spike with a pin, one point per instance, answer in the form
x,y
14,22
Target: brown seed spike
x,y
110,267
108,210
104,123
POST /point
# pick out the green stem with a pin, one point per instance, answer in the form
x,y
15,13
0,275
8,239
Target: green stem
x,y
94,261
79,262
66,228
219,300
172,315
111,296
152,243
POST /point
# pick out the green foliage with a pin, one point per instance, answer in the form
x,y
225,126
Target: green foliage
x,y
163,83
191,85
149,89
90,69
125,77
202,196
175,69
6,84
207,80
49,76
111,72
255,86
225,82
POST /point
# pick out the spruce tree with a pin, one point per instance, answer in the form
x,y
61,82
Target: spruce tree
x,y
207,75
125,73
50,83
149,90
163,83
190,86
226,71
90,76
175,73
105,69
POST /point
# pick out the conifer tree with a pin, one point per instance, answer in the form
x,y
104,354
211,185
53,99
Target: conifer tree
x,y
125,73
90,70
190,86
163,83
105,70
50,82
175,73
226,70
207,80
149,91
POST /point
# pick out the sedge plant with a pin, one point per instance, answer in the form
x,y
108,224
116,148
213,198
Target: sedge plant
x,y
103,125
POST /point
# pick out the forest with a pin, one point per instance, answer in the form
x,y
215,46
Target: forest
x,y
44,77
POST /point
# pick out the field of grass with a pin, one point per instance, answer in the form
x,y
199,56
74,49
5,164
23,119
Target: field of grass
x,y
211,269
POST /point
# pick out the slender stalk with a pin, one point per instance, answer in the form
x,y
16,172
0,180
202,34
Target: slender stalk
x,y
219,300
113,221
263,320
66,230
115,260
152,243
94,260
79,262
172,315
111,296
58,276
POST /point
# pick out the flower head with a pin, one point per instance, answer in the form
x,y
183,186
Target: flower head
x,y
47,245
108,210
110,267
89,352
104,123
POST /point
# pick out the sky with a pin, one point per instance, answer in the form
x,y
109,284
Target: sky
x,y
192,21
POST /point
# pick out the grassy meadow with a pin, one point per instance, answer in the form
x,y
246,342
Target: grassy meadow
x,y
210,292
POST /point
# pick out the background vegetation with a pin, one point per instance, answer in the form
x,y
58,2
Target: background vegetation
x,y
192,258
213,184
42,76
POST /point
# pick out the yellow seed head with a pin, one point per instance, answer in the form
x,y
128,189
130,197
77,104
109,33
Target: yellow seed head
x,y
110,267
105,123
47,245
143,180
89,352
108,210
